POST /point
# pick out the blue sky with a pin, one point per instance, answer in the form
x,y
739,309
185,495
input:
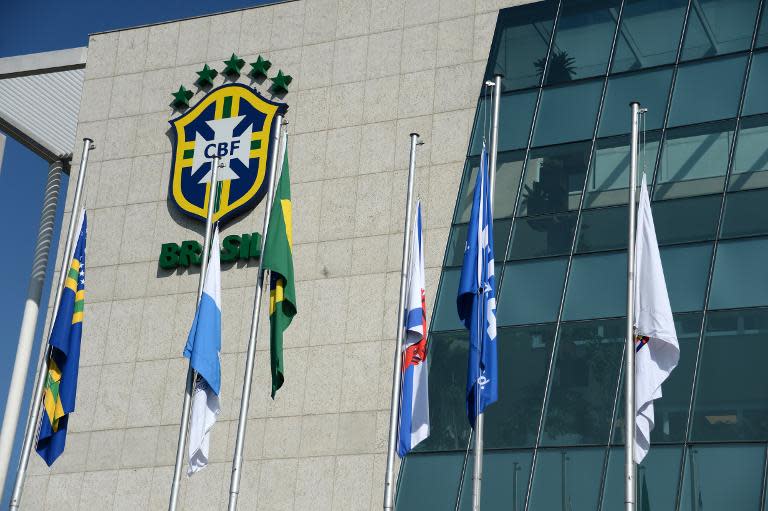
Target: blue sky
x,y
23,29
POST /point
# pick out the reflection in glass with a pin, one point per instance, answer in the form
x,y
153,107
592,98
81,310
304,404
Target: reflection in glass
x,y
657,479
515,115
524,354
694,160
756,101
649,33
707,91
567,113
554,178
449,427
542,236
750,160
583,40
436,475
716,27
723,477
603,229
740,274
608,182
458,239
745,214
685,270
583,386
531,291
445,316
650,88
508,170
597,286
731,394
520,43
762,32
567,479
683,220
505,481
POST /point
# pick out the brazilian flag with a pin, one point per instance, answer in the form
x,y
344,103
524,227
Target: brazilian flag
x,y
64,360
279,260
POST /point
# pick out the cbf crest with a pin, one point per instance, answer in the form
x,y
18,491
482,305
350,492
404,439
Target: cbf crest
x,y
232,122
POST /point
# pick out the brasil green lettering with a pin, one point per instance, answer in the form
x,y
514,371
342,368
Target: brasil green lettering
x,y
233,247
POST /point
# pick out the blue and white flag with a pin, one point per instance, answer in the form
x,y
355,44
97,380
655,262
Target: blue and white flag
x,y
476,302
414,393
202,350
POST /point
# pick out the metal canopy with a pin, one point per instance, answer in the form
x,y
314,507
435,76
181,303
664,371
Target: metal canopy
x,y
40,100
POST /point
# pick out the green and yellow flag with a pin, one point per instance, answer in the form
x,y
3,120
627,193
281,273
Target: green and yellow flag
x,y
279,260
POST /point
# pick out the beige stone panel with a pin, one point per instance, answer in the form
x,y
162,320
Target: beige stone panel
x,y
139,447
457,87
74,456
357,433
276,484
95,100
352,482
175,383
34,491
102,53
232,318
361,367
318,435
421,125
156,90
281,437
307,156
419,48
98,490
342,153
157,329
113,183
322,388
384,54
450,136
123,331
346,104
131,51
455,41
304,266
146,181
485,25
435,242
289,60
105,449
379,468
149,378
317,65
162,45
85,405
314,484
307,200
113,397
444,182
311,110
130,280
399,193
289,399
231,384
120,138
455,8
160,488
338,208
101,283
193,40
330,301
96,131
63,492
349,60
334,258
320,21
374,198
165,453
381,99
353,18
153,134
133,486
421,12
365,311
255,30
225,38
382,430
386,14
417,93
94,333
377,147
369,254
287,25
139,232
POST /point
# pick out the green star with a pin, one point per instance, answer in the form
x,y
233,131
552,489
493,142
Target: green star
x,y
234,65
260,67
206,76
182,97
281,82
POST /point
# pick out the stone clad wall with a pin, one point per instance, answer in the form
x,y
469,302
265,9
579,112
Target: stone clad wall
x,y
366,74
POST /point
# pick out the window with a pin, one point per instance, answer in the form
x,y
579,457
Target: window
x,y
531,291
657,479
750,160
603,229
505,481
515,116
509,167
685,270
745,214
597,287
683,220
541,236
567,479
554,178
445,316
755,101
436,475
577,103
458,239
741,276
650,88
716,27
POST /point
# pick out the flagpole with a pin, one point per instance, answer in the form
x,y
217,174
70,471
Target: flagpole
x,y
30,431
630,489
397,375
187,403
242,421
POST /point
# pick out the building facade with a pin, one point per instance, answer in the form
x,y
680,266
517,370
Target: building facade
x,y
366,73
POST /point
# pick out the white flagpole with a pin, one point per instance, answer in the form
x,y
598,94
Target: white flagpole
x,y
37,397
191,375
394,411
630,490
242,421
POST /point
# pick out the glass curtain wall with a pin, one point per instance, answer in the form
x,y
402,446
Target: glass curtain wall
x,y
554,440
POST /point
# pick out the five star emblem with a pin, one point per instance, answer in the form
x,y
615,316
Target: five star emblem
x,y
234,65
182,97
281,82
206,76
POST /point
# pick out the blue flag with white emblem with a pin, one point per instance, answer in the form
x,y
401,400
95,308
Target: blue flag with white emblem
x,y
476,302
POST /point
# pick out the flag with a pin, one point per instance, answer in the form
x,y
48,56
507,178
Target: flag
x,y
656,348
476,302
202,350
64,359
414,392
278,259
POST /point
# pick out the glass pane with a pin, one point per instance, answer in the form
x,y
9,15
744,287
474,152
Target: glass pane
x,y
685,271
740,271
577,103
509,167
723,477
584,383
436,475
762,34
449,427
457,242
608,182
750,160
603,229
515,116
542,236
657,479
554,178
445,316
756,101
731,394
524,354
745,214
520,44
531,291
567,479
682,220
505,481
694,160
649,33
707,91
671,410
597,287
583,40
650,88
716,27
